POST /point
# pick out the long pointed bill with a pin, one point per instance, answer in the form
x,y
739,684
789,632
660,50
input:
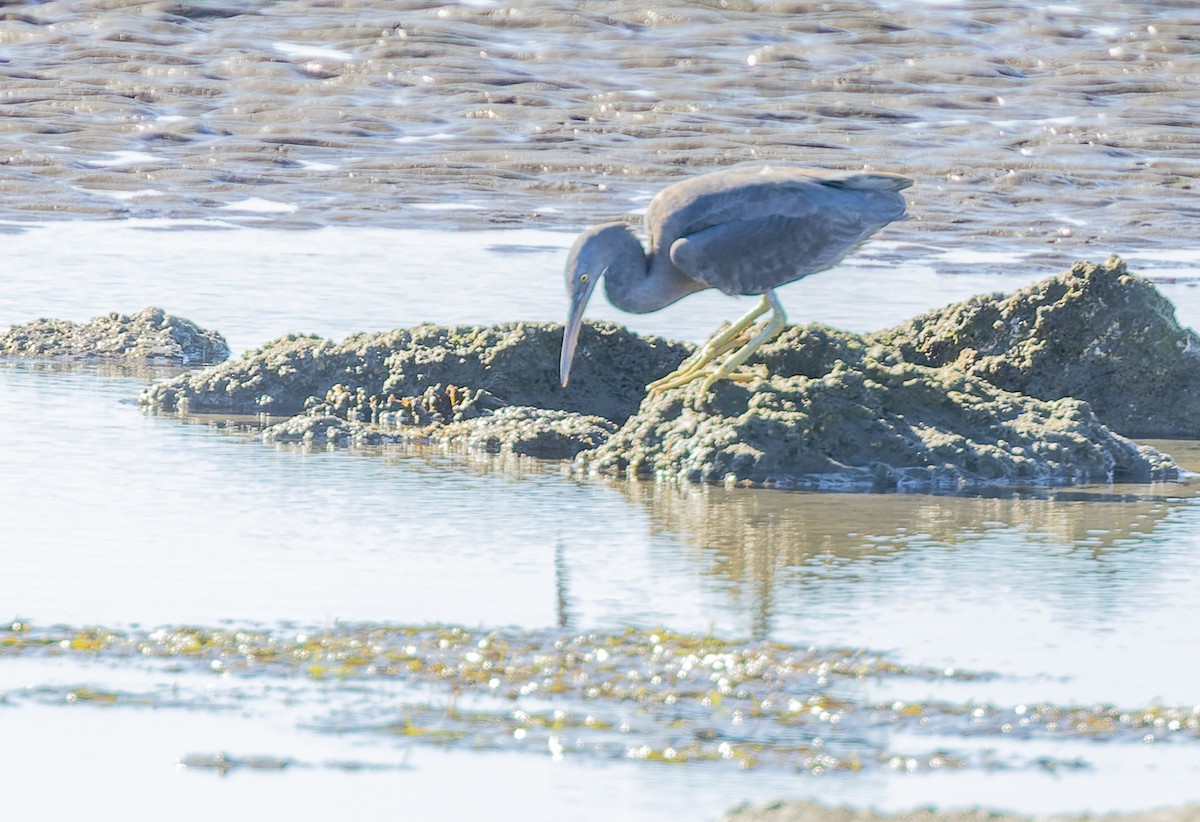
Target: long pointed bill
x,y
579,300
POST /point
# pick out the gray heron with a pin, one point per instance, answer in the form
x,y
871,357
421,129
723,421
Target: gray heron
x,y
743,231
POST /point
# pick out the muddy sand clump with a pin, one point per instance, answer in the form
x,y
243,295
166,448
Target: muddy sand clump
x,y
490,387
1027,388
836,412
151,336
1096,333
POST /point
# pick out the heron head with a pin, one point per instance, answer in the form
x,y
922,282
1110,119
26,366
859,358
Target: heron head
x,y
596,251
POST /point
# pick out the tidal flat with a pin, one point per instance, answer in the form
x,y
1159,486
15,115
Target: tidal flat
x,y
341,168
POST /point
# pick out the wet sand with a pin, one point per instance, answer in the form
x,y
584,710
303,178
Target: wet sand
x,y
1058,128
811,812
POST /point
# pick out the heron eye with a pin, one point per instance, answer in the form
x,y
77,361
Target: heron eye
x,y
583,278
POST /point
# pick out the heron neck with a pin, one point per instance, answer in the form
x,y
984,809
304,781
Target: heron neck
x,y
641,284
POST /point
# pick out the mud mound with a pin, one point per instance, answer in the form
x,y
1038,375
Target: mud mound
x,y
514,363
999,390
493,388
835,413
1095,333
533,432
149,336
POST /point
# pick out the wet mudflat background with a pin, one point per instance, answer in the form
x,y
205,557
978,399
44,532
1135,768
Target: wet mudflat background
x,y
1032,653
373,113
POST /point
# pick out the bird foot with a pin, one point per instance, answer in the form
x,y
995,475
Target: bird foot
x,y
710,375
722,356
710,371
700,362
733,376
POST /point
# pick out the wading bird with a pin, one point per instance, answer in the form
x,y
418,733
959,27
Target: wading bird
x,y
742,231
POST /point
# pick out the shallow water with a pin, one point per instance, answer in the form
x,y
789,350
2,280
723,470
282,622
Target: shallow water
x,y
113,518
392,134
254,285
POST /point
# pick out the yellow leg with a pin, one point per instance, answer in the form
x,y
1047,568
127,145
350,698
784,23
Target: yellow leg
x,y
771,329
720,343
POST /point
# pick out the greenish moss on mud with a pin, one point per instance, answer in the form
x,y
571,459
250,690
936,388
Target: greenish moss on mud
x,y
427,374
150,336
1096,333
491,388
860,417
999,390
643,695
1031,388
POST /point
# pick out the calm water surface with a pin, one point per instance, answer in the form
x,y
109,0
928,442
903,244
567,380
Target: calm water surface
x,y
387,137
118,519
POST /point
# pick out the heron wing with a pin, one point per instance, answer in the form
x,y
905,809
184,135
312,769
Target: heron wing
x,y
750,256
744,193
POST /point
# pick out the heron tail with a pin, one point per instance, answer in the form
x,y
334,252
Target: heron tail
x,y
870,181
